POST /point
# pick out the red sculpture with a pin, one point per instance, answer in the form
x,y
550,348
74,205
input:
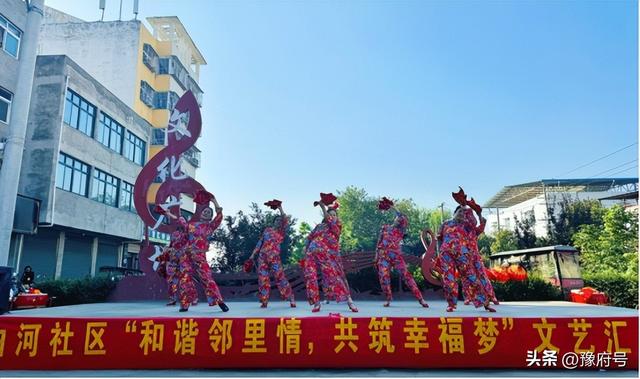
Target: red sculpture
x,y
428,258
185,124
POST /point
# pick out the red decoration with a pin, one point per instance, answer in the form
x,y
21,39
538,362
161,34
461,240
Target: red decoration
x,y
473,205
159,210
248,265
119,346
186,121
499,274
334,206
460,197
327,198
517,273
30,300
385,204
203,197
490,274
589,295
273,204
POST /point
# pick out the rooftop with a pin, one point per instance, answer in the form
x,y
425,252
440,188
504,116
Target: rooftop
x,y
169,28
518,193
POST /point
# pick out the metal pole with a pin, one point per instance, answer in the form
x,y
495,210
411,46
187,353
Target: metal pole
x,y
120,16
10,172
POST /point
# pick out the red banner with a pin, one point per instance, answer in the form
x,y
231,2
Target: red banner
x,y
318,342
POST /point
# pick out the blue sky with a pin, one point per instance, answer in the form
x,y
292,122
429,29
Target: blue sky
x,y
405,98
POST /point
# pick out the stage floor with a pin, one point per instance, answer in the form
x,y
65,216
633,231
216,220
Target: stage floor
x,y
401,308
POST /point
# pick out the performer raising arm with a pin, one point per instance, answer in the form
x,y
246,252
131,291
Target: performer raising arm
x,y
268,253
318,256
389,253
456,253
197,234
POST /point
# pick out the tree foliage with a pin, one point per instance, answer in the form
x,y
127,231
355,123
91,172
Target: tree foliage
x,y
525,231
484,245
571,216
240,234
612,247
504,240
299,237
361,221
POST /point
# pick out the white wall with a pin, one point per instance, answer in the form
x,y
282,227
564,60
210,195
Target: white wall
x,y
539,207
108,51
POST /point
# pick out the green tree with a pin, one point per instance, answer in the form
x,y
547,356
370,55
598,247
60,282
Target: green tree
x,y
504,240
361,221
300,236
570,217
612,247
484,245
525,231
240,234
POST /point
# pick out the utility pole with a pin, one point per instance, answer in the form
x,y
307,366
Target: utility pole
x,y
10,171
441,206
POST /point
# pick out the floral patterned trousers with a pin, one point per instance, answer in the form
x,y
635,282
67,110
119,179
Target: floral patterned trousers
x,y
190,262
270,261
481,272
318,257
388,260
461,259
172,278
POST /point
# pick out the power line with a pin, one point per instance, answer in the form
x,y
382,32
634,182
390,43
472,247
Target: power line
x,y
597,160
617,167
626,169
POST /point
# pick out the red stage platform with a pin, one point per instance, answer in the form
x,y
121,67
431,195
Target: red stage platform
x,y
149,335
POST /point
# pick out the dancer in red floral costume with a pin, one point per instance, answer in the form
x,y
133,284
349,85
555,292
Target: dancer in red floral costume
x,y
268,252
169,270
193,255
456,252
318,256
389,253
481,270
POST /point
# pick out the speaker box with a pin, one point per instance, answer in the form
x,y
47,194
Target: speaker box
x,y
5,286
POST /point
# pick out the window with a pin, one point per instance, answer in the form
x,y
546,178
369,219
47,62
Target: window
x,y
134,148
149,57
9,37
165,100
104,188
158,136
72,175
192,156
110,133
172,101
147,93
78,113
5,105
163,66
126,197
160,100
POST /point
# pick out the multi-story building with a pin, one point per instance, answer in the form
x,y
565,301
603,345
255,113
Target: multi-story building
x,y
542,198
147,70
84,149
13,18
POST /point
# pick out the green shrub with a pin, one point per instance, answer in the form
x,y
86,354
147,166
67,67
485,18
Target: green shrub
x,y
622,289
532,289
78,291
